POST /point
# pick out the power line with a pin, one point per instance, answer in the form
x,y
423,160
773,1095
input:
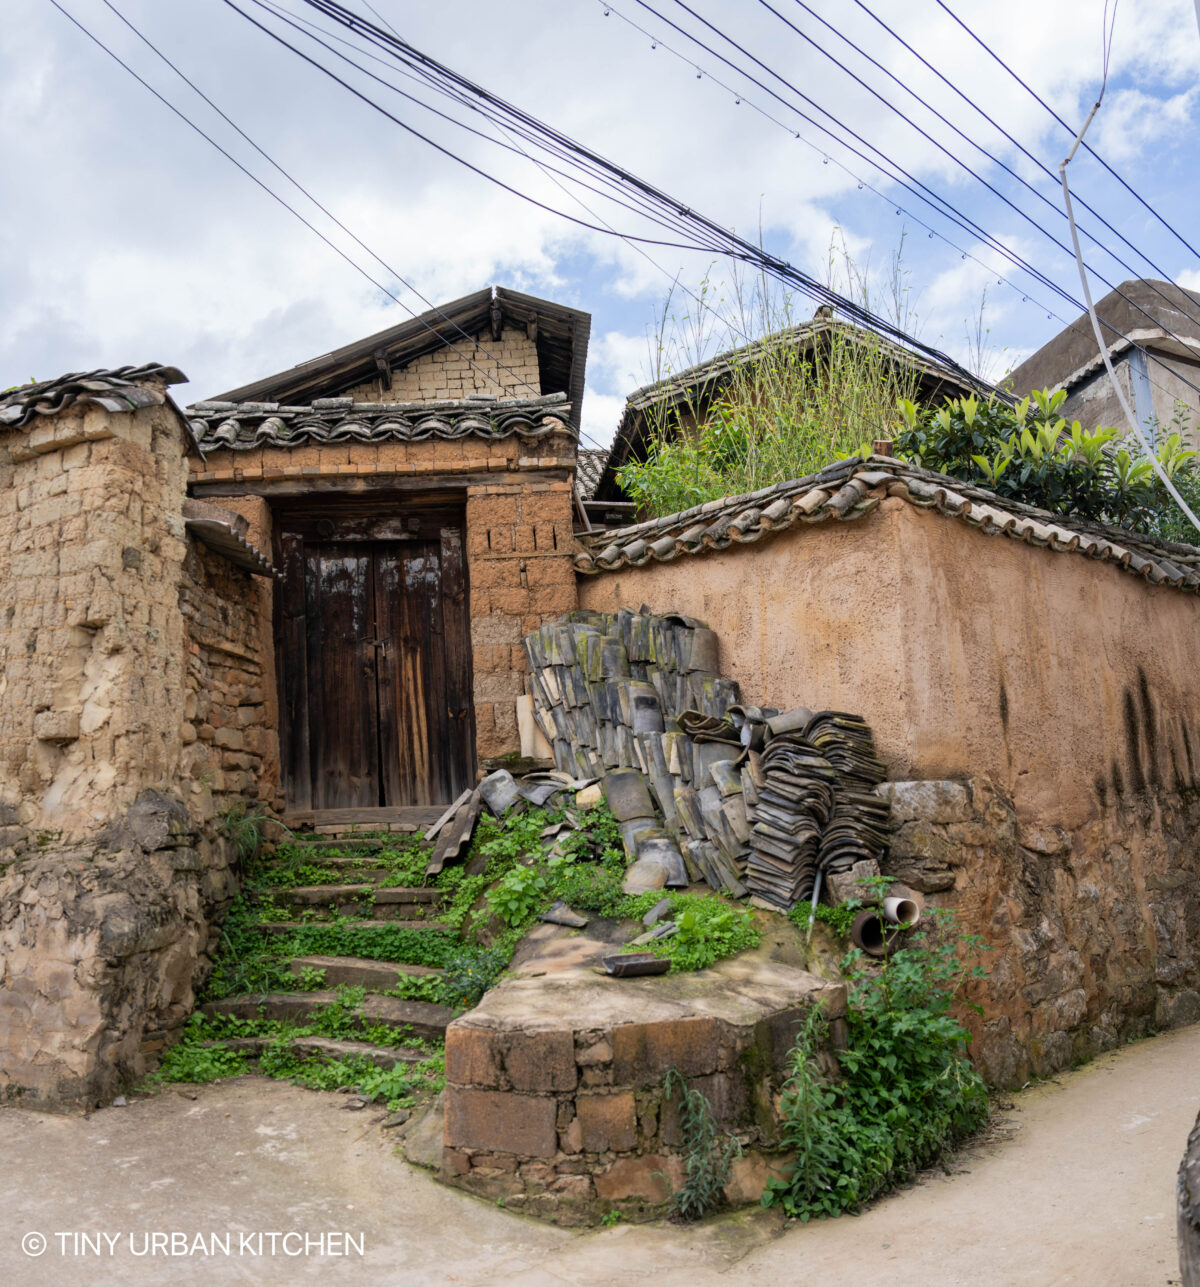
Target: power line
x,y
731,243
958,160
955,215
991,53
998,161
296,22
276,196
739,97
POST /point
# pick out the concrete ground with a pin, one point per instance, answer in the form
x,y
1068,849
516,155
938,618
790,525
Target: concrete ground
x,y
1076,1186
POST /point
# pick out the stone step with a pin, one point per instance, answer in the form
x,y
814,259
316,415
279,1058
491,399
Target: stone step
x,y
288,927
358,972
385,1057
392,903
422,1018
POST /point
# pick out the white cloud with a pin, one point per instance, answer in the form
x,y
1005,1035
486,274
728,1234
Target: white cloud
x,y
126,238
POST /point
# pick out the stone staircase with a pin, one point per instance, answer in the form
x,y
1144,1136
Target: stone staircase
x,y
351,882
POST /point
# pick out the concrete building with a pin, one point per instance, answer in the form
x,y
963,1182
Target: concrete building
x,y
1153,333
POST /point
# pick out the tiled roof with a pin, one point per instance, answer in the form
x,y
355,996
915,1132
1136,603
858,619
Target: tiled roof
x,y
851,489
242,426
589,465
224,531
691,390
124,388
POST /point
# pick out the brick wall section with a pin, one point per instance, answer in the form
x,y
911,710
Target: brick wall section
x,y
504,369
519,540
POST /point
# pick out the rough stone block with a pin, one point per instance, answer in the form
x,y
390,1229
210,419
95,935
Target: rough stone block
x,y
56,726
928,801
650,1178
643,1052
608,1122
501,1122
541,1061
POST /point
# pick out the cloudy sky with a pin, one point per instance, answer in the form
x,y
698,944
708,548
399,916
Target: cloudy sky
x,y
127,238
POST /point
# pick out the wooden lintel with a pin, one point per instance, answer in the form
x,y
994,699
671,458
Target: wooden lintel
x,y
347,485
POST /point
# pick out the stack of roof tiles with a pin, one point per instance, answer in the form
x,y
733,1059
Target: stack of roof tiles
x,y
747,799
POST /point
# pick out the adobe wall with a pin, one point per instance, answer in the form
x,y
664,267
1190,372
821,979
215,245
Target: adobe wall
x,y
519,540
1063,692
507,368
112,870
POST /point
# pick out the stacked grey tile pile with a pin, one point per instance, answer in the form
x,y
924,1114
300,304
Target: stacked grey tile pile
x,y
751,800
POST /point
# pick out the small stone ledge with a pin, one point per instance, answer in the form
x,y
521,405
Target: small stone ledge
x,y
554,1097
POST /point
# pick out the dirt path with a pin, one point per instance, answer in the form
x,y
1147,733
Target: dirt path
x,y
1078,1189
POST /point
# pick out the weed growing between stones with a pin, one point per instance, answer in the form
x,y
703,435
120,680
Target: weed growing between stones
x,y
708,1154
839,918
906,1093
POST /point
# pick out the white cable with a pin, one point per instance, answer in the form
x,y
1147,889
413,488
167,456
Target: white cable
x,y
1091,308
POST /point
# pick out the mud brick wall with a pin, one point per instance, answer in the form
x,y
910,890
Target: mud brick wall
x,y
109,882
519,543
508,369
1094,930
519,539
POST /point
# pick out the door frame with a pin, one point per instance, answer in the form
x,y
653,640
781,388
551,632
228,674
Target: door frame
x,y
341,518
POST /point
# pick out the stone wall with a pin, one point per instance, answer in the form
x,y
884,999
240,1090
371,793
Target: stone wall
x,y
519,539
504,369
555,1097
109,882
226,734
1094,932
1187,1213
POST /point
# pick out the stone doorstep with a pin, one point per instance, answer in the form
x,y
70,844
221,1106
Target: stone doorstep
x,y
356,971
422,1017
385,1057
289,927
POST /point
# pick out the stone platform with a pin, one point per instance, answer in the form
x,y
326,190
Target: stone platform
x,y
555,1099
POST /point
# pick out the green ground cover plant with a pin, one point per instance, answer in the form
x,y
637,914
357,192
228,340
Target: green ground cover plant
x,y
839,918
906,1093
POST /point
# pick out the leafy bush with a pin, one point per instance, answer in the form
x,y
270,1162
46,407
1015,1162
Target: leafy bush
x,y
1030,454
190,1060
470,974
780,414
907,1092
518,895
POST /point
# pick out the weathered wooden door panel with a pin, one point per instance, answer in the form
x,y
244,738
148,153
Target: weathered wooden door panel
x,y
373,648
406,589
459,745
342,690
291,665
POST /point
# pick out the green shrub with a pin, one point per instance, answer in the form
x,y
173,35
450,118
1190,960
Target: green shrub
x,y
906,1094
710,929
1029,453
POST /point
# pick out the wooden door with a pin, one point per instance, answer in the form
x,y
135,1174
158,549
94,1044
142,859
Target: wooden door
x,y
374,664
